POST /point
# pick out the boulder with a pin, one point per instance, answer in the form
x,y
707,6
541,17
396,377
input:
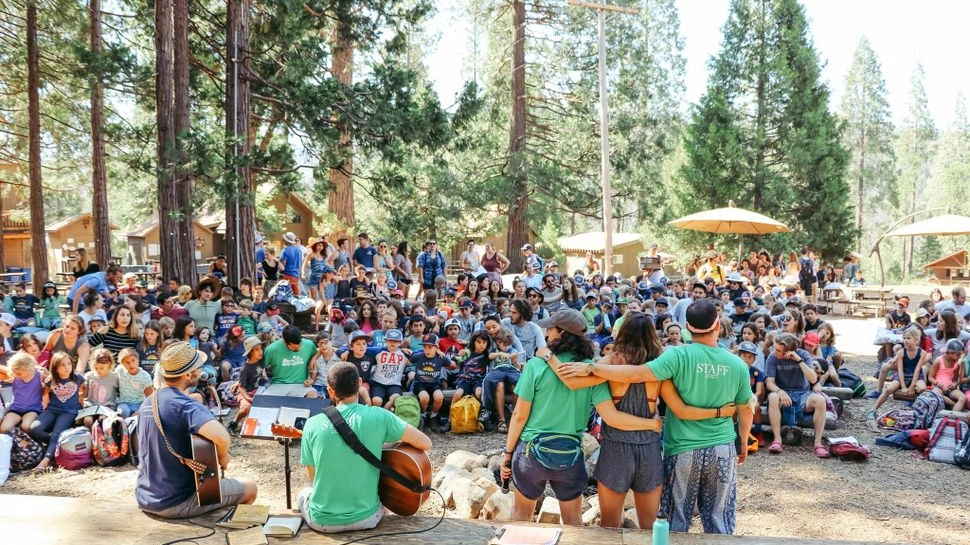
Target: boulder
x,y
630,519
445,473
466,460
498,507
591,515
591,462
469,498
450,481
590,444
495,462
549,512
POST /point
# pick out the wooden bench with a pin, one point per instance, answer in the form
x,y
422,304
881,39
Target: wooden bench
x,y
84,521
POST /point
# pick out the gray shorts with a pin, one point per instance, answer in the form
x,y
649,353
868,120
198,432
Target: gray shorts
x,y
232,493
629,466
302,502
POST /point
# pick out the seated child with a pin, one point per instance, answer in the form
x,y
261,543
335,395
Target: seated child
x,y
388,370
63,392
225,320
428,365
474,365
826,336
249,378
23,305
909,364
248,319
363,361
134,383
501,378
946,375
320,364
28,391
50,304
101,384
827,374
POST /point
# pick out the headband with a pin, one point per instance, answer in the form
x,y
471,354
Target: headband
x,y
699,331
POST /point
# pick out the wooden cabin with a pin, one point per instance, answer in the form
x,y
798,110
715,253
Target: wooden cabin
x,y
952,269
143,242
66,235
627,247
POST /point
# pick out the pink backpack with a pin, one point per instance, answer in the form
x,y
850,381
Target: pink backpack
x,y
109,440
74,449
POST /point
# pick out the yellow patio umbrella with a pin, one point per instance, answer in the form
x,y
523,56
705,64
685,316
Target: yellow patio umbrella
x,y
943,225
730,219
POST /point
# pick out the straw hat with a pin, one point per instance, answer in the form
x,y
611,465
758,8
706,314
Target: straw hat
x,y
179,358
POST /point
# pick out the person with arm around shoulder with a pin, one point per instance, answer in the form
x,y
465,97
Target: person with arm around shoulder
x,y
354,504
166,484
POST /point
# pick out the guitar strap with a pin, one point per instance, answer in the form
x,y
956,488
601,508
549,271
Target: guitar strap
x,y
355,445
197,467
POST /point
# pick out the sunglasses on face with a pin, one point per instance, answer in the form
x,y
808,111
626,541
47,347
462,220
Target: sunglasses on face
x,y
787,319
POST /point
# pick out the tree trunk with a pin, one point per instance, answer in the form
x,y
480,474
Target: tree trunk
x,y
518,232
340,200
860,186
183,175
99,181
2,268
169,239
240,217
38,250
759,182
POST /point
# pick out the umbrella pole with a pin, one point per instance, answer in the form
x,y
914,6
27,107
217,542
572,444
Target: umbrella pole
x,y
740,248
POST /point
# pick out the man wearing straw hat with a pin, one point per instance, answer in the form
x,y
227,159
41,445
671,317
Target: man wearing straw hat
x,y
166,422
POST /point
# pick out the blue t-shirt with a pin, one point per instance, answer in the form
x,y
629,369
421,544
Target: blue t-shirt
x,y
365,256
788,373
292,258
64,394
94,281
23,307
428,369
163,481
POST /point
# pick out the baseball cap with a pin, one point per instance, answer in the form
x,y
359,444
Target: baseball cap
x,y
99,316
643,285
740,302
272,306
430,339
622,301
922,312
903,301
526,247
749,347
394,335
591,295
569,320
746,295
662,301
9,319
811,339
453,322
359,334
466,303
954,345
249,344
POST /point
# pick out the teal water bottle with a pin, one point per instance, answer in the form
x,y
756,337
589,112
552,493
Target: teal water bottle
x,y
661,531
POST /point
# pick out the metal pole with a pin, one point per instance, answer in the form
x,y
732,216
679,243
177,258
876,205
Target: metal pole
x,y
605,147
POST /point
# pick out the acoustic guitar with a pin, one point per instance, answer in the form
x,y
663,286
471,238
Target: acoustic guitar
x,y
208,486
412,463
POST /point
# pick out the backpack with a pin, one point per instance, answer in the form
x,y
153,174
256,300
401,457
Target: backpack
x,y
281,292
852,381
897,419
925,408
807,269
25,453
947,434
74,449
408,409
6,443
110,441
541,264
464,415
961,456
132,423
850,451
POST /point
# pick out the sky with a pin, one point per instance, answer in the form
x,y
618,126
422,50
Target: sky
x,y
901,32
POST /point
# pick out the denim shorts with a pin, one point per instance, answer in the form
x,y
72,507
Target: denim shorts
x,y
429,387
468,385
384,391
530,477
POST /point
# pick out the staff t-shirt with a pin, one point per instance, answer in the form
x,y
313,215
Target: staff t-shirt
x,y
706,377
287,366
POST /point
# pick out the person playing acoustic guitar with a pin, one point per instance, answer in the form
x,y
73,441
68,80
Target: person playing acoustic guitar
x,y
354,505
166,485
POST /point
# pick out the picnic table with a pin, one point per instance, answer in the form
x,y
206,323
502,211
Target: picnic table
x,y
875,299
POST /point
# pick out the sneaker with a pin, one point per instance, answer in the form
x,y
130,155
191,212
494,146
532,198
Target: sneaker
x,y
874,394
484,416
444,425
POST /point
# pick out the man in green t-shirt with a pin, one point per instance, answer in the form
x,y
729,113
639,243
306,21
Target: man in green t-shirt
x,y
343,492
287,362
699,455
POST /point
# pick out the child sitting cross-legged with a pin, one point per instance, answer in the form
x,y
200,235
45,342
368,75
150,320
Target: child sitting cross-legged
x,y
134,383
27,392
101,384
249,378
64,391
909,364
946,374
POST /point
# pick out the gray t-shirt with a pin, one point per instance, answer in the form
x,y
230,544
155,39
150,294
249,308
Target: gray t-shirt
x,y
529,334
101,390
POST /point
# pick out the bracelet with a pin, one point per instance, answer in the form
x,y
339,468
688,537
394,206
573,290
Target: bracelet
x,y
718,413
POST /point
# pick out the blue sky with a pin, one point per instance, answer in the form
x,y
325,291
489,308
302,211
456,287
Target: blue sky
x,y
901,32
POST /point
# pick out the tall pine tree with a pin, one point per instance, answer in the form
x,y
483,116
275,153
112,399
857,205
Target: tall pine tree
x,y
763,135
869,135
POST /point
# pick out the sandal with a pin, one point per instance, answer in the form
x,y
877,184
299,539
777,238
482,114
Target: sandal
x,y
503,427
821,452
776,447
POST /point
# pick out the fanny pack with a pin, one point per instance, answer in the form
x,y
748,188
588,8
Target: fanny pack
x,y
555,451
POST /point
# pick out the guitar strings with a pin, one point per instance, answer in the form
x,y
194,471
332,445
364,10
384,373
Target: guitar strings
x,y
388,534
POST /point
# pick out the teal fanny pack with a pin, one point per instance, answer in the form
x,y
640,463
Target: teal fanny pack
x,y
555,451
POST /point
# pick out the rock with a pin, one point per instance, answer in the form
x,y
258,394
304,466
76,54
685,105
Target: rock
x,y
451,479
466,460
592,514
590,444
629,501
630,519
549,512
469,498
485,478
591,461
498,507
445,473
495,462
493,452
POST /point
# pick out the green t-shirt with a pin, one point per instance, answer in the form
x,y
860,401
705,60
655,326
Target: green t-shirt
x,y
344,484
706,377
248,324
590,314
555,408
286,366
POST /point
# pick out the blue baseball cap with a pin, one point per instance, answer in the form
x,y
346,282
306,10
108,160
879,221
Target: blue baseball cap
x,y
394,335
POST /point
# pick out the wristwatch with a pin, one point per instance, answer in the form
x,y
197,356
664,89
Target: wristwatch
x,y
589,368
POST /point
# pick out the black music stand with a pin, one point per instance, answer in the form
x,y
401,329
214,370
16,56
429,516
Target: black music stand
x,y
314,405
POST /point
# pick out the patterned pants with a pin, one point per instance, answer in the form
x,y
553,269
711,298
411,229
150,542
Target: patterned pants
x,y
707,477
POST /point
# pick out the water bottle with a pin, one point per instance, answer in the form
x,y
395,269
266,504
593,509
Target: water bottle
x,y
661,531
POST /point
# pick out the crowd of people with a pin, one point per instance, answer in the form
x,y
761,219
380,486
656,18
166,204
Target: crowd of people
x,y
549,355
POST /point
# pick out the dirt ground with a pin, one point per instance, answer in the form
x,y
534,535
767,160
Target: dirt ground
x,y
892,498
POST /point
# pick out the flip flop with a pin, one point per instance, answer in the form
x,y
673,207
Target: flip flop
x,y
776,447
821,452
